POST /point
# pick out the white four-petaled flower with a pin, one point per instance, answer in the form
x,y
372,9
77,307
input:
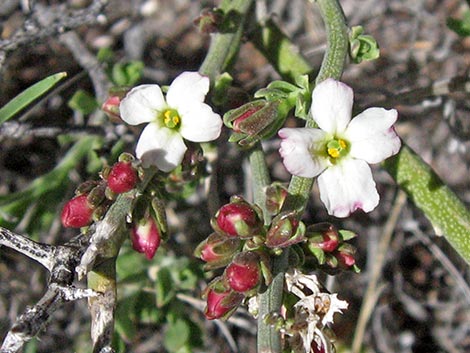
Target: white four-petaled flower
x,y
339,151
182,115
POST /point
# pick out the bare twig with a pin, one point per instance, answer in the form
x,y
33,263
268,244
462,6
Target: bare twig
x,y
60,261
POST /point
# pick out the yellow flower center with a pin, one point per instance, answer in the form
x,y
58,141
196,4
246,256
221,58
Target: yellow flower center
x,y
171,118
337,148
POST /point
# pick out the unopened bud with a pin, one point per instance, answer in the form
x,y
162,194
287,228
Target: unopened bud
x,y
221,302
111,107
253,121
324,236
209,20
244,273
237,219
145,237
77,212
122,177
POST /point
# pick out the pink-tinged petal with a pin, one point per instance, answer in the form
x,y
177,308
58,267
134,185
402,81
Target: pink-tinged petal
x,y
199,123
187,87
372,136
332,106
296,150
141,104
160,147
347,187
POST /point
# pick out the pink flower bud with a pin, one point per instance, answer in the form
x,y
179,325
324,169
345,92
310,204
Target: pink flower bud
x,y
145,237
345,259
244,274
122,177
77,212
111,107
238,218
217,250
221,304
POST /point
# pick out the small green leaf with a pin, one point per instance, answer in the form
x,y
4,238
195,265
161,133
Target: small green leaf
x,y
347,234
177,335
26,97
127,74
164,287
83,102
461,27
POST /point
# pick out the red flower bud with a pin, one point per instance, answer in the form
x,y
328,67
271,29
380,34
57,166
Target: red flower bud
x,y
122,177
221,304
244,274
145,237
238,218
77,212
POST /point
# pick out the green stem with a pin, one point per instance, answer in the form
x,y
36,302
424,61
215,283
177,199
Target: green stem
x,y
224,45
261,179
299,188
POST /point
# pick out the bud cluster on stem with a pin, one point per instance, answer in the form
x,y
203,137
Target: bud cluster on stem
x,y
93,198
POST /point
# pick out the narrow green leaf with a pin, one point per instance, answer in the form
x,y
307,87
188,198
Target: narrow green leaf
x,y
26,97
442,207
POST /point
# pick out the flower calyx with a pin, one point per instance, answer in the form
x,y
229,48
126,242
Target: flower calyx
x,y
285,230
217,250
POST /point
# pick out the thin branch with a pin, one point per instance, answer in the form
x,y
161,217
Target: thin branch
x,y
39,252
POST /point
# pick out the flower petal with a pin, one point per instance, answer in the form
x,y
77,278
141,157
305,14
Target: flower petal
x,y
199,123
296,147
347,187
332,105
141,104
160,147
372,136
188,86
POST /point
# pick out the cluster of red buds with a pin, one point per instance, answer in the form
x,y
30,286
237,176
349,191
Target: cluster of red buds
x,y
243,244
93,198
329,247
234,245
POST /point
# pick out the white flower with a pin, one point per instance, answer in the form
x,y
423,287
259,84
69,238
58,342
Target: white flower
x,y
182,115
339,151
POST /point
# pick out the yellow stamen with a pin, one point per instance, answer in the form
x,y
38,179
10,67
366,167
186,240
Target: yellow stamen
x,y
342,143
333,152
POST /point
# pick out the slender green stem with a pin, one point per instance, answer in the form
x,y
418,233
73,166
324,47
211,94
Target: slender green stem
x,y
261,179
299,188
224,45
